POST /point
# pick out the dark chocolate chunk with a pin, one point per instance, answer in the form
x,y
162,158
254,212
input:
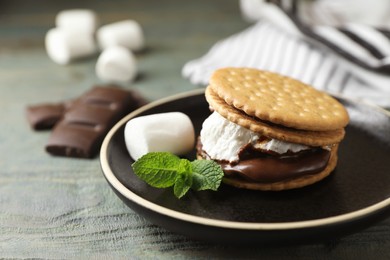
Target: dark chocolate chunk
x,y
44,116
81,130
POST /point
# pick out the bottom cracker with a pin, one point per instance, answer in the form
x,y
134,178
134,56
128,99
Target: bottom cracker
x,y
288,184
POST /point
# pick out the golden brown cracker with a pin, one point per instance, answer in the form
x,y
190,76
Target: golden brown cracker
x,y
311,138
278,99
288,184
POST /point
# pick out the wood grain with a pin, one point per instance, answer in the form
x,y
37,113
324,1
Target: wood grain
x,y
59,208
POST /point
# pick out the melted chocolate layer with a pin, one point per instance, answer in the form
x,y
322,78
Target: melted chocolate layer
x,y
266,166
271,168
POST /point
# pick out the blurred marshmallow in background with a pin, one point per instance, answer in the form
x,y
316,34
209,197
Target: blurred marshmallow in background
x,y
73,37
116,64
77,20
77,35
126,33
64,46
118,41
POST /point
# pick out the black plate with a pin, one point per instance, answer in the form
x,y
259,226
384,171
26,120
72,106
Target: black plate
x,y
355,195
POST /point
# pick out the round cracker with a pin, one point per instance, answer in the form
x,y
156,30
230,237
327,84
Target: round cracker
x,y
278,99
311,138
289,184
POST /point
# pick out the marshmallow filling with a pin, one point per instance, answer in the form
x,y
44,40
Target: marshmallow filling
x,y
248,155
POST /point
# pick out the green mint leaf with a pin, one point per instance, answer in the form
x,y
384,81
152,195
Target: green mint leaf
x,y
182,185
185,167
161,169
206,174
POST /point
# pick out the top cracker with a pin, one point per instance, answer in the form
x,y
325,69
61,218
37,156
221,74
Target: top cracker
x,y
278,99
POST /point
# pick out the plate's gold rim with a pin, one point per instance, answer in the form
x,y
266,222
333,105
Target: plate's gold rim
x,y
109,175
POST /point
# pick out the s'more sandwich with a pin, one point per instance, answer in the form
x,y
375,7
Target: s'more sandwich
x,y
268,131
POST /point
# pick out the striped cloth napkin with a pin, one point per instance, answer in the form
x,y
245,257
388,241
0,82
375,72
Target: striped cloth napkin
x,y
353,61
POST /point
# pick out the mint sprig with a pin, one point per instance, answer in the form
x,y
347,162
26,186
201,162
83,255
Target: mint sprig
x,y
163,170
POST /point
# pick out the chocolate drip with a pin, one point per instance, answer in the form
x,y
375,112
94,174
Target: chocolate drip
x,y
268,168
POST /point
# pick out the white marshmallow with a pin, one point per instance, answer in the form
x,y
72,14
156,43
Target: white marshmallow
x,y
126,33
116,64
223,140
63,46
78,20
280,147
166,132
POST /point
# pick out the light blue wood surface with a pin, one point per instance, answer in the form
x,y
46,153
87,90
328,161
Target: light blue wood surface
x,y
61,208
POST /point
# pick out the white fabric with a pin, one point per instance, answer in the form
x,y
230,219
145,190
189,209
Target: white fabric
x,y
339,12
346,44
373,37
265,45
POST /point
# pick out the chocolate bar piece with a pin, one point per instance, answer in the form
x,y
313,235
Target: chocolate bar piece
x,y
44,116
81,130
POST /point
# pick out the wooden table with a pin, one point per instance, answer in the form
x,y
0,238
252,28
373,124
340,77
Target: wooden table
x,y
63,208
